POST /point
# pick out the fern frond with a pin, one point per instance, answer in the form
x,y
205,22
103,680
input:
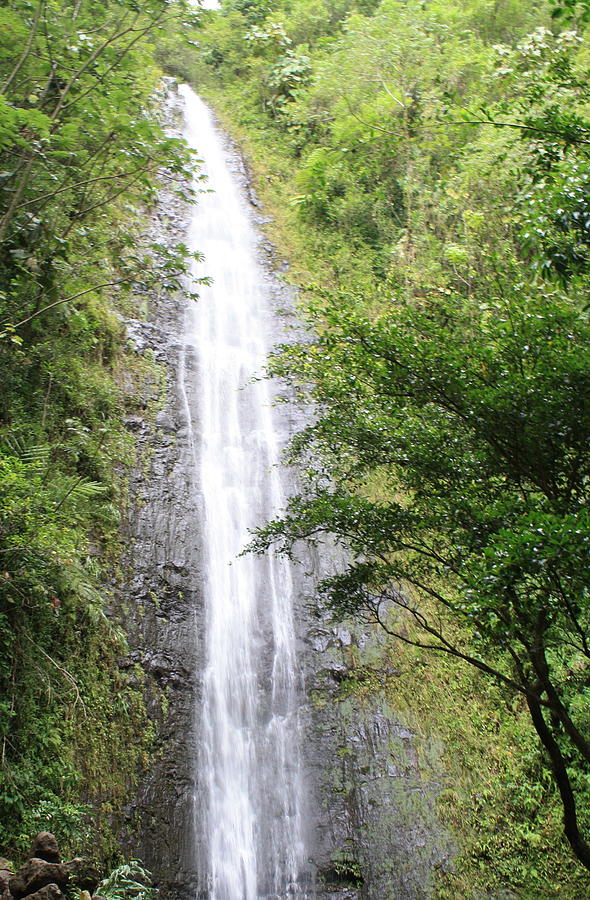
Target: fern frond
x,y
33,454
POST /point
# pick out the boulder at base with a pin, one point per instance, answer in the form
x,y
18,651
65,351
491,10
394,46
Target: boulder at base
x,y
49,892
45,847
36,874
5,876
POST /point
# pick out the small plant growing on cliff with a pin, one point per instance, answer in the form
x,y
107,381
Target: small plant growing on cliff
x,y
128,882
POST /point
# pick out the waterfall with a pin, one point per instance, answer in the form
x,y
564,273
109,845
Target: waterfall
x,y
248,722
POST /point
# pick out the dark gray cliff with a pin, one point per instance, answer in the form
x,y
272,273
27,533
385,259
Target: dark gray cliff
x,y
159,589
375,778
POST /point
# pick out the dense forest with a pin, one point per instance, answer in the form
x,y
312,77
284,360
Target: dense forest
x,y
427,169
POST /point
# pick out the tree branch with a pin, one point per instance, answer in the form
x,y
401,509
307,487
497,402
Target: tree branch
x,y
90,290
27,49
570,818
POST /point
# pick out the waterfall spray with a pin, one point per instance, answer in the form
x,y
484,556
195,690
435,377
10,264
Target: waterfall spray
x,y
248,722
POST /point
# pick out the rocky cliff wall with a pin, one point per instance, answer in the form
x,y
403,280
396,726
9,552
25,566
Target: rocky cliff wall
x,y
375,778
373,832
159,589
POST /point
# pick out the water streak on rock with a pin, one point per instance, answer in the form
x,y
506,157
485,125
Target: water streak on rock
x,y
250,761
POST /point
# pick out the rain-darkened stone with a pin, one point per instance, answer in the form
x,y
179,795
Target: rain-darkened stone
x,y
370,802
35,874
45,847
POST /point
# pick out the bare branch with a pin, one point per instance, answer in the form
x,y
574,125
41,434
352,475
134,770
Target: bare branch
x,y
60,669
90,290
26,51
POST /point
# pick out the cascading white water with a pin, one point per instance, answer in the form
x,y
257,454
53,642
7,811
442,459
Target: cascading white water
x,y
249,718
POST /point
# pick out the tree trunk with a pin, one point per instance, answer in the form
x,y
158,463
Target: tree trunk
x,y
570,819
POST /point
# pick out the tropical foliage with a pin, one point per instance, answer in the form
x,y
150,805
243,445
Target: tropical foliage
x,y
82,151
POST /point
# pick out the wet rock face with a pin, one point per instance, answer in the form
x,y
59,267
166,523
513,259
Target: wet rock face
x,y
373,832
159,598
161,604
376,782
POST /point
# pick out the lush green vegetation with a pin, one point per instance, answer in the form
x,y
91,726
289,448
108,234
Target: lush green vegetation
x,y
129,881
428,166
81,152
